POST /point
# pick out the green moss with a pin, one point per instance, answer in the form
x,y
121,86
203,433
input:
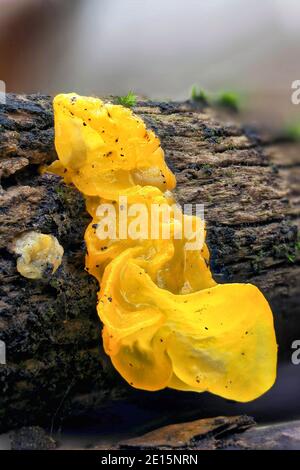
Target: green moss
x,y
230,100
207,169
294,253
65,193
227,98
287,252
59,190
128,100
292,131
258,261
199,95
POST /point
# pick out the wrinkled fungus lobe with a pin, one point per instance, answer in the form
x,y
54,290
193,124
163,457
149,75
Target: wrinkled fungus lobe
x,y
39,254
166,321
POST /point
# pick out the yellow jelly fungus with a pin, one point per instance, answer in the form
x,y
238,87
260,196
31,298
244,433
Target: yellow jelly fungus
x,y
39,254
166,321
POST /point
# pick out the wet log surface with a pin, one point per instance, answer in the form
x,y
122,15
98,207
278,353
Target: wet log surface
x,y
249,183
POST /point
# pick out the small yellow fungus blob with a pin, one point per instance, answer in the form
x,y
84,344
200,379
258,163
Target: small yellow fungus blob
x,y
166,321
40,254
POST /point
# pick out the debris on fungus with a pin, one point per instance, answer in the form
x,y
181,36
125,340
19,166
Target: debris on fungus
x,y
166,321
39,254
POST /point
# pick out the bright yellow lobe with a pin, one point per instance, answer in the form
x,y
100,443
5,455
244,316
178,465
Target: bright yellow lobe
x,y
166,322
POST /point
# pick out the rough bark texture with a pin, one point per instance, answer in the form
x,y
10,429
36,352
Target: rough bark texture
x,y
249,185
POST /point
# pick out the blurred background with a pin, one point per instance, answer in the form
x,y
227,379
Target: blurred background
x,y
156,48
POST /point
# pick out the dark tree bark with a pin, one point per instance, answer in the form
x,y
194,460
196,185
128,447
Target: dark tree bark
x,y
249,185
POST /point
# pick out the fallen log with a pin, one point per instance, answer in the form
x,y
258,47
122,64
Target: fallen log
x,y
249,185
221,433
